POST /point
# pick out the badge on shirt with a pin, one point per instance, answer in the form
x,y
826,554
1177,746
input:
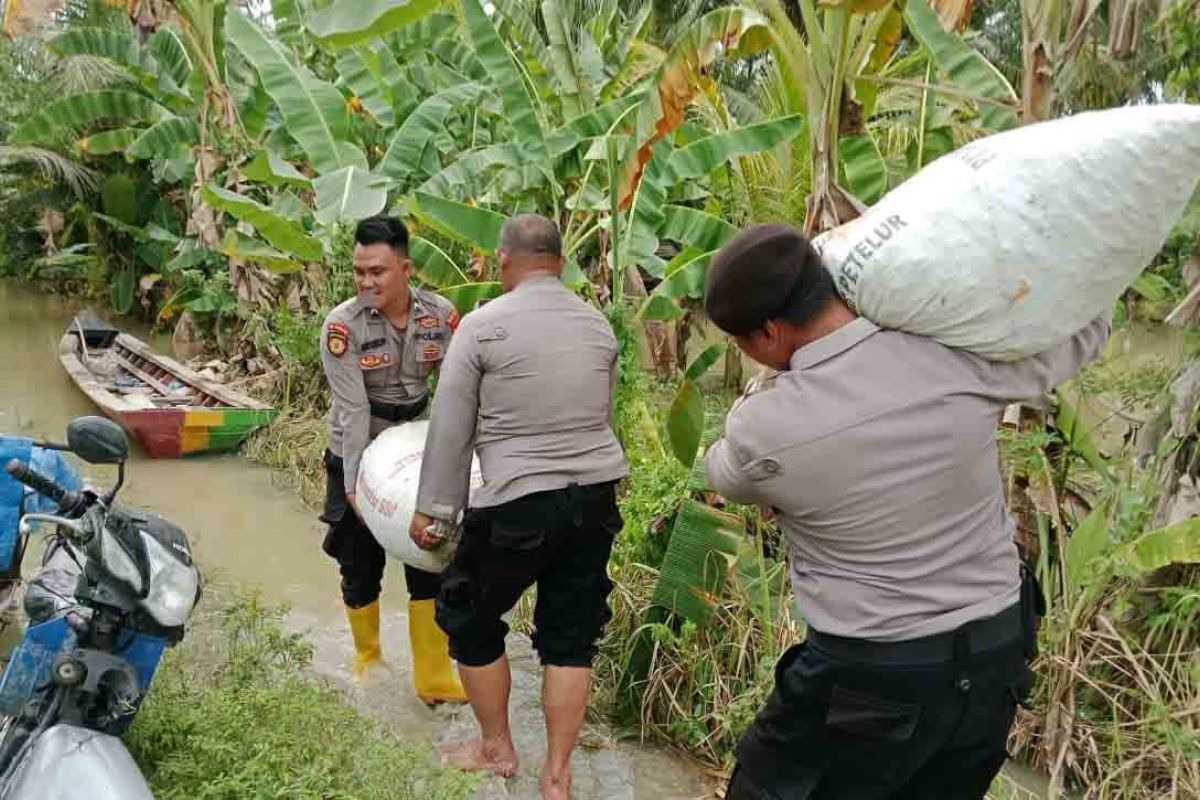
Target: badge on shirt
x,y
375,360
428,321
430,353
337,337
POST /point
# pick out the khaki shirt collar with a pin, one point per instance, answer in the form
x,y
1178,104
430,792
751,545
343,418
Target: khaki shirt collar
x,y
540,279
833,344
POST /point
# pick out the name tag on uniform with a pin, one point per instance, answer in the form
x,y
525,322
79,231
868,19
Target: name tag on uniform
x,y
375,360
374,344
431,336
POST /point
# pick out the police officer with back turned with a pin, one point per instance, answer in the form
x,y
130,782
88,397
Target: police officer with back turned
x,y
378,351
876,451
537,368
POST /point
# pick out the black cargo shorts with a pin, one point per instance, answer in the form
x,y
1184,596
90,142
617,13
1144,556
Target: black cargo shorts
x,y
559,540
923,719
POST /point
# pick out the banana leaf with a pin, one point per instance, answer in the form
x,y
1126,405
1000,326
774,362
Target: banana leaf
x,y
100,42
433,266
467,296
598,122
313,110
171,56
349,194
866,171
362,72
639,240
77,110
1088,541
247,248
403,155
288,21
726,32
703,547
278,231
686,420
694,228
703,156
575,94
111,141
166,139
346,23
477,227
519,110
1174,544
271,168
964,67
473,172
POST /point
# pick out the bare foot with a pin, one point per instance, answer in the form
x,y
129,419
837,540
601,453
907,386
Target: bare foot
x,y
556,787
497,757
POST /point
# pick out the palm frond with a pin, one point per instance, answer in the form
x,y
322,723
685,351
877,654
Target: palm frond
x,y
52,166
85,73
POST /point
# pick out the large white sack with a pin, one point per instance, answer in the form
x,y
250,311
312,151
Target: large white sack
x,y
1014,242
386,491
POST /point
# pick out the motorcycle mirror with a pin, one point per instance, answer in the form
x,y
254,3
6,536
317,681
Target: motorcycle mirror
x,y
98,440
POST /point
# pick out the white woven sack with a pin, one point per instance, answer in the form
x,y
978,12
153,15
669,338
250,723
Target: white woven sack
x,y
386,491
1011,244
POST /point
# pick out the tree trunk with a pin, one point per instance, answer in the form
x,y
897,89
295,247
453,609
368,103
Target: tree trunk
x,y
1041,26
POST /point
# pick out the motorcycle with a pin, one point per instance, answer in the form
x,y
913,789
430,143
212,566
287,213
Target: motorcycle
x,y
115,588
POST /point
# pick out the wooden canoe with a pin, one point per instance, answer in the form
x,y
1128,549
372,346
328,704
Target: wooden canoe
x,y
167,407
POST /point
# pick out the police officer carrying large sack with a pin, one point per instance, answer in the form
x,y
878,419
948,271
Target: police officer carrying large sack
x,y
876,451
537,368
378,351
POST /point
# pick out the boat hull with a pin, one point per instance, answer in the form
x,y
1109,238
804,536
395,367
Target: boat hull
x,y
171,431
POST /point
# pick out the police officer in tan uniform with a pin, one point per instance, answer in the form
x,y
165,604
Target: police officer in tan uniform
x,y
537,368
378,351
876,450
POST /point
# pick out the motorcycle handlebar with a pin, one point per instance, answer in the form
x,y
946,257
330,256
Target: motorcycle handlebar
x,y
67,501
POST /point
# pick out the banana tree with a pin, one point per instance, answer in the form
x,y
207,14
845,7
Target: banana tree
x,y
832,72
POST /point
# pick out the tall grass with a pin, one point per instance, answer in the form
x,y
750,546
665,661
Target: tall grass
x,y
233,714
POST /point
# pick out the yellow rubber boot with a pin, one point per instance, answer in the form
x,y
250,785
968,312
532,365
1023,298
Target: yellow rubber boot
x,y
364,625
434,676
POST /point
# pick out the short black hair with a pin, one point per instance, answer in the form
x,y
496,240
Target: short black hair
x,y
382,229
766,272
531,234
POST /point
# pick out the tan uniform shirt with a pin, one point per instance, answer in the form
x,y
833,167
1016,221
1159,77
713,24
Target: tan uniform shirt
x,y
367,358
537,368
878,451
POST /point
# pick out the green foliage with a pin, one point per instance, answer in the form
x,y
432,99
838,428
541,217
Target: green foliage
x,y
1182,27
232,717
299,338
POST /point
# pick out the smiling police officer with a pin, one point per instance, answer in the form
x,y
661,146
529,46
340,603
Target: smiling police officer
x,y
379,350
876,450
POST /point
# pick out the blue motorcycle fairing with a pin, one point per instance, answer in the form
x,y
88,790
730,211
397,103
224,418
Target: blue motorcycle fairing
x,y
33,661
17,499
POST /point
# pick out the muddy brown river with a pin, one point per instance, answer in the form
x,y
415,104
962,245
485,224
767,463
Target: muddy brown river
x,y
249,531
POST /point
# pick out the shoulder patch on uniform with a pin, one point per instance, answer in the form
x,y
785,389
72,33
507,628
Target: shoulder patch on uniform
x,y
337,339
375,360
453,320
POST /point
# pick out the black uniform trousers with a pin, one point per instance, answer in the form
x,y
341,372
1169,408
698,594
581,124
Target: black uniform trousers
x,y
360,557
924,719
560,540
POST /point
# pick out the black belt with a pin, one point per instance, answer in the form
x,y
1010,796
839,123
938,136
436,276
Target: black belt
x,y
976,636
395,412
